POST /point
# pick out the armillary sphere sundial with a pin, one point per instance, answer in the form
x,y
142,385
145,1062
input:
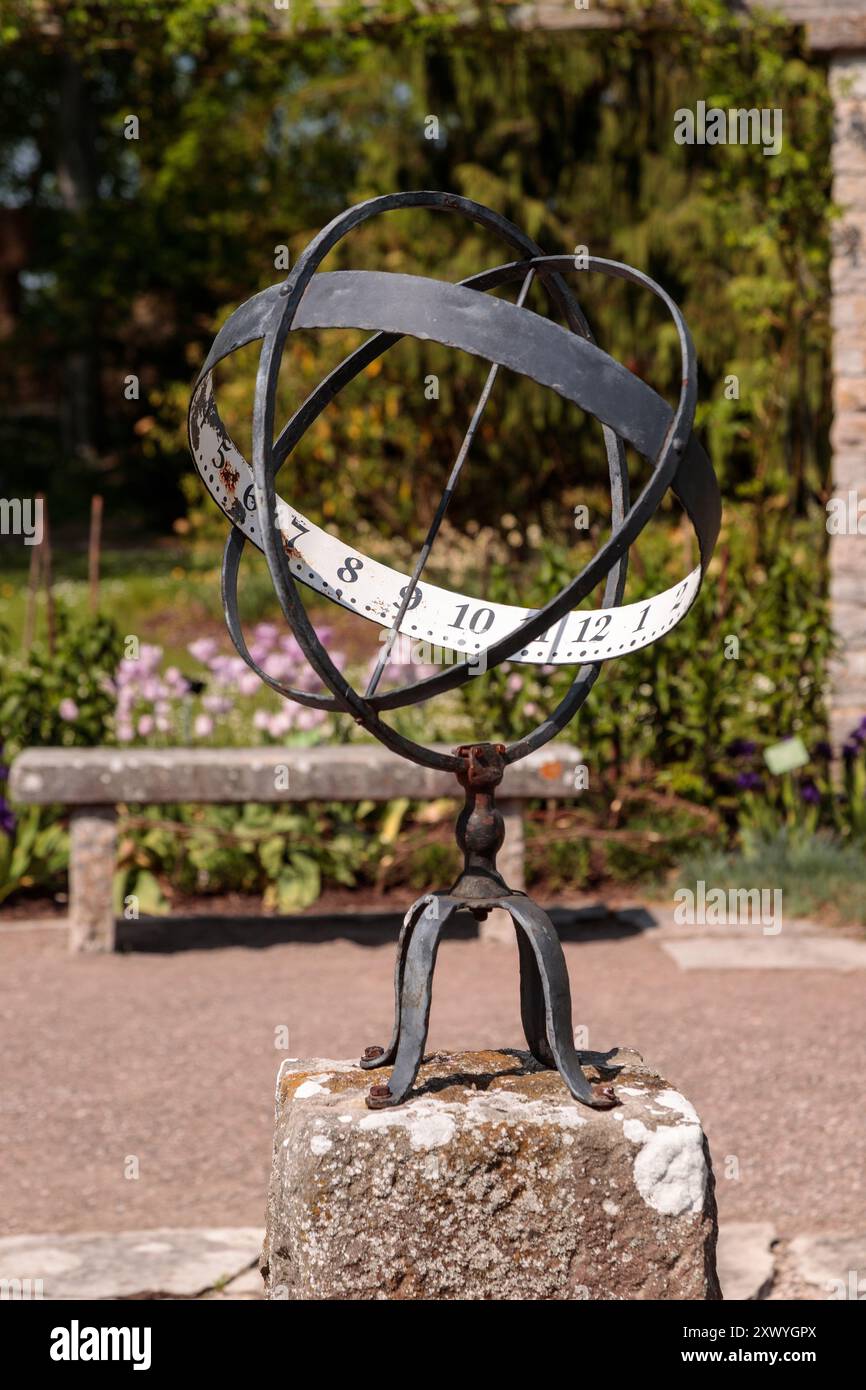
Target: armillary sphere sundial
x,y
563,357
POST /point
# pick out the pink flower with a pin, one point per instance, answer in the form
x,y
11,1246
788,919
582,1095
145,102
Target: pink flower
x,y
279,666
176,682
68,710
217,704
124,731
309,718
127,673
204,649
149,658
145,725
203,726
290,646
514,684
281,722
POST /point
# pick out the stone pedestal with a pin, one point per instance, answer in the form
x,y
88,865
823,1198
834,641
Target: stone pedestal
x,y
491,1183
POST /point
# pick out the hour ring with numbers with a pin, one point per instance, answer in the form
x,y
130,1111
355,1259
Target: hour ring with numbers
x,y
480,633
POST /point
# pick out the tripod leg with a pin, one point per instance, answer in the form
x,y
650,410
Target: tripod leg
x,y
416,992
544,943
383,1057
532,1010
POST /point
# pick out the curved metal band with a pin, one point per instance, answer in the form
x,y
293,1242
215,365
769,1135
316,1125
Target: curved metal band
x,y
245,325
263,439
248,323
696,483
474,323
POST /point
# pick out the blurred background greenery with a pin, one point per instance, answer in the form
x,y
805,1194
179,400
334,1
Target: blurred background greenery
x,y
119,259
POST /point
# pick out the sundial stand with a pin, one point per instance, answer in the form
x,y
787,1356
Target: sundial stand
x,y
545,995
560,354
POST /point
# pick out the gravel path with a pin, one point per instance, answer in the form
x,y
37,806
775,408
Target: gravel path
x,y
164,1063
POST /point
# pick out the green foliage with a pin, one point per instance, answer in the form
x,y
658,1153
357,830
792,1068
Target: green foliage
x,y
815,873
79,668
35,852
256,127
255,130
285,855
568,863
665,715
35,694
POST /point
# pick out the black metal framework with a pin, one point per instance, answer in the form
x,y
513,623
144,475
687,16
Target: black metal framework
x,y
567,360
545,994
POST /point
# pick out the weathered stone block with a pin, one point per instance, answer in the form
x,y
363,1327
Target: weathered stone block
x,y
848,77
849,427
92,855
348,772
491,1183
849,393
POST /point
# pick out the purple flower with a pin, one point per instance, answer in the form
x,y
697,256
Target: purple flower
x,y
7,820
742,748
823,750
68,710
809,792
750,782
850,750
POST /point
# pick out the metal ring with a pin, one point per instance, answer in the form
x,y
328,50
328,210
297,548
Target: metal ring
x,y
365,299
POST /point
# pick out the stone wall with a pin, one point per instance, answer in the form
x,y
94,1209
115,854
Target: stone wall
x,y
848,551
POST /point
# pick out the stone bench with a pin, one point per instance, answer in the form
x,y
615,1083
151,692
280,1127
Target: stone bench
x,y
93,781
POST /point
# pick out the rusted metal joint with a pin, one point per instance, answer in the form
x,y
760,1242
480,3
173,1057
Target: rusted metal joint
x,y
480,827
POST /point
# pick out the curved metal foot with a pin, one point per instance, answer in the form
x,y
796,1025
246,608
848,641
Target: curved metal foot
x,y
532,1009
414,1001
551,976
383,1056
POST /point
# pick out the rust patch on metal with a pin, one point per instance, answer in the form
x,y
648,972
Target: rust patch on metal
x,y
229,476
